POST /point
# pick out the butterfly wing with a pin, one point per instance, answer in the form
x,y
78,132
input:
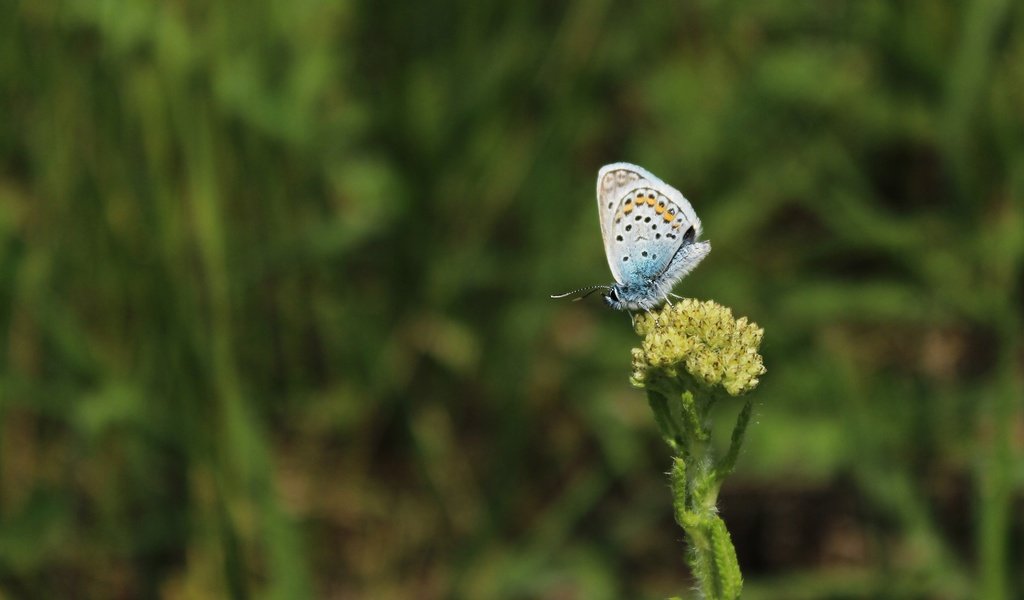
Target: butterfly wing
x,y
613,182
644,222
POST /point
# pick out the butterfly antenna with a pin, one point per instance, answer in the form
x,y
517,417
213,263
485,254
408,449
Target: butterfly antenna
x,y
589,290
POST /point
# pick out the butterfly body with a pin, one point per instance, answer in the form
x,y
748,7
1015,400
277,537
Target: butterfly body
x,y
650,291
651,236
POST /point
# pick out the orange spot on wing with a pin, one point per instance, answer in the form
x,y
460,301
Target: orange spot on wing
x,y
650,201
660,208
668,217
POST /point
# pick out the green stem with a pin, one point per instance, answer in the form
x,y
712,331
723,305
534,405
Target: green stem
x,y
663,417
728,462
996,475
687,411
695,478
713,560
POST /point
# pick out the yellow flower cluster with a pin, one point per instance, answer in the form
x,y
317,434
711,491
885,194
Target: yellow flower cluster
x,y
704,339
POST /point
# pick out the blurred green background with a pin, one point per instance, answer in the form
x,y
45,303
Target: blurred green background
x,y
274,295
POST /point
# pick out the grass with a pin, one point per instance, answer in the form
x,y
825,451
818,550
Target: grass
x,y
273,292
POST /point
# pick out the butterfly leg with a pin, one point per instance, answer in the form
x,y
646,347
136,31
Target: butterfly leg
x,y
632,320
675,295
669,302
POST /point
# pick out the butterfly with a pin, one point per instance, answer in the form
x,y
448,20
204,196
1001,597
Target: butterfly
x,y
651,237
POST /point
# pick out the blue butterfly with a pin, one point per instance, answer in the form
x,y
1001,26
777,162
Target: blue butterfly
x,y
650,237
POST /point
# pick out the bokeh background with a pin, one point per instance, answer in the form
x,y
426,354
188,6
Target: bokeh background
x,y
274,287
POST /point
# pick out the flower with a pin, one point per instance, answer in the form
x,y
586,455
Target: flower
x,y
705,340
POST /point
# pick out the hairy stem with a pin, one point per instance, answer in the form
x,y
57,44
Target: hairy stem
x,y
695,478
